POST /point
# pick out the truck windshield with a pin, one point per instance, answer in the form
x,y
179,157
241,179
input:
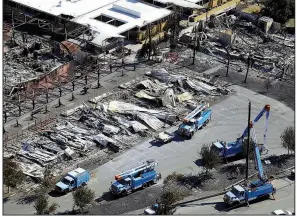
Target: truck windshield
x,y
66,181
188,123
215,148
235,192
122,181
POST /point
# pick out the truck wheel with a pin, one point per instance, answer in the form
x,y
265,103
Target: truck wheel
x,y
123,193
191,135
144,185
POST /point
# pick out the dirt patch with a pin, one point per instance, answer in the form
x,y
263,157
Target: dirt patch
x,y
226,175
129,203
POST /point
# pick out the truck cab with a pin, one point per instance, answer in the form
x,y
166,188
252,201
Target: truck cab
x,y
227,149
66,184
121,187
188,127
255,190
235,196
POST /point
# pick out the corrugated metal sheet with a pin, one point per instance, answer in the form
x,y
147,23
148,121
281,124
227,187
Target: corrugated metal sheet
x,y
151,121
71,47
138,126
184,96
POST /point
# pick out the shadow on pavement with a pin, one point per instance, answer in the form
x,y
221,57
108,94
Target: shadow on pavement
x,y
106,196
28,199
5,199
156,143
178,138
56,194
199,162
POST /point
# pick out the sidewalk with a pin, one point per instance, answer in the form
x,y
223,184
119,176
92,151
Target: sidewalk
x,y
108,83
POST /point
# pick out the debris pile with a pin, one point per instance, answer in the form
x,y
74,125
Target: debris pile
x,y
116,120
28,57
272,52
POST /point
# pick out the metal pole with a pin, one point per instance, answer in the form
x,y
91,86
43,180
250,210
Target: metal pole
x,y
228,62
98,82
195,44
247,71
150,42
248,144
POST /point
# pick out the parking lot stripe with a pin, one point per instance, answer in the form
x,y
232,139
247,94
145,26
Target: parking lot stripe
x,y
154,151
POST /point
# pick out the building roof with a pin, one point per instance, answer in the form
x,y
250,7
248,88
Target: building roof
x,y
127,13
132,13
73,8
181,3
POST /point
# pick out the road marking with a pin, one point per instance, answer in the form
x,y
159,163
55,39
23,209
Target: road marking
x,y
249,97
169,149
111,168
154,151
130,158
225,109
245,103
223,115
180,145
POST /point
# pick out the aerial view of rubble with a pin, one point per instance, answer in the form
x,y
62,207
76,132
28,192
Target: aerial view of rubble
x,y
108,110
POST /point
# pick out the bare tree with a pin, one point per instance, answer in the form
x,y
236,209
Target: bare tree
x,y
12,174
83,197
42,206
288,139
209,157
169,196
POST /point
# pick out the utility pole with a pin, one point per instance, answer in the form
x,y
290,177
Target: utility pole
x,y
150,41
98,81
248,67
195,45
248,144
227,49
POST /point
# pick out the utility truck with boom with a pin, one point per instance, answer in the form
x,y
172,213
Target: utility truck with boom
x,y
74,179
231,149
256,189
139,177
195,121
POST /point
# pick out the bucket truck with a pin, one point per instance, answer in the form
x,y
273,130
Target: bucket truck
x,y
226,150
256,189
139,177
195,121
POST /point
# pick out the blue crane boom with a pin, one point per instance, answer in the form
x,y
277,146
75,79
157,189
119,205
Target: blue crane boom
x,y
258,117
195,112
149,165
260,187
257,155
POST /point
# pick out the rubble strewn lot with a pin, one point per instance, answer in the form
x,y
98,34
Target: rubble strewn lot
x,y
108,124
27,60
